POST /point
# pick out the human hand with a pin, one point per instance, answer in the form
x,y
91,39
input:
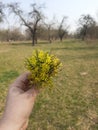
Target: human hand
x,y
19,104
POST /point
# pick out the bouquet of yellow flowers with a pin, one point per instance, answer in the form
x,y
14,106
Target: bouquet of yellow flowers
x,y
43,67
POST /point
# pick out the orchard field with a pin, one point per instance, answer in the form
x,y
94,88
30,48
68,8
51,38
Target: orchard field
x,y
72,104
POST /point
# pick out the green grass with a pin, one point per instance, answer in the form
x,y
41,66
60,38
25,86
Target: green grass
x,y
73,102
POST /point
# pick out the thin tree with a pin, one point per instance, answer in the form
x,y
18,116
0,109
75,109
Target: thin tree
x,y
49,28
62,30
85,22
1,12
31,20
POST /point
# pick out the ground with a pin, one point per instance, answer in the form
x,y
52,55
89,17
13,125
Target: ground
x,y
72,104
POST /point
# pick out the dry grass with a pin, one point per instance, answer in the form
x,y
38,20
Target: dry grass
x,y
73,102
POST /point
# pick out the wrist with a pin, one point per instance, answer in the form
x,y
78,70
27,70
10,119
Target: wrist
x,y
6,124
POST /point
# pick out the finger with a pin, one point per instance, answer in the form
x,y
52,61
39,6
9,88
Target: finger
x,y
22,81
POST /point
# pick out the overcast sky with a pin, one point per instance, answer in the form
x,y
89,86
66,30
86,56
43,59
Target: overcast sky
x,y
59,8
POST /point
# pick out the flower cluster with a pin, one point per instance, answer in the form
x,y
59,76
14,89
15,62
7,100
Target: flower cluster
x,y
43,67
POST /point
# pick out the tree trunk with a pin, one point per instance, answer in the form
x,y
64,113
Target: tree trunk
x,y
61,39
49,38
33,40
84,34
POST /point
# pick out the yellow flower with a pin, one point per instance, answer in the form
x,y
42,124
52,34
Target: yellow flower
x,y
43,68
48,60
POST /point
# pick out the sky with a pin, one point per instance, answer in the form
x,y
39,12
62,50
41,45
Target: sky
x,y
73,9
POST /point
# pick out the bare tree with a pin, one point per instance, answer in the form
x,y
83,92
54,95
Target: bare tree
x,y
62,30
85,22
31,20
1,11
49,26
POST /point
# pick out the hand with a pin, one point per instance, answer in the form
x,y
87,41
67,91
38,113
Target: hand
x,y
19,104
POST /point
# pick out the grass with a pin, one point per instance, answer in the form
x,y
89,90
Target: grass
x,y
73,102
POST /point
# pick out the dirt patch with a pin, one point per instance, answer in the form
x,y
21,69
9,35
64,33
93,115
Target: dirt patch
x,y
1,51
